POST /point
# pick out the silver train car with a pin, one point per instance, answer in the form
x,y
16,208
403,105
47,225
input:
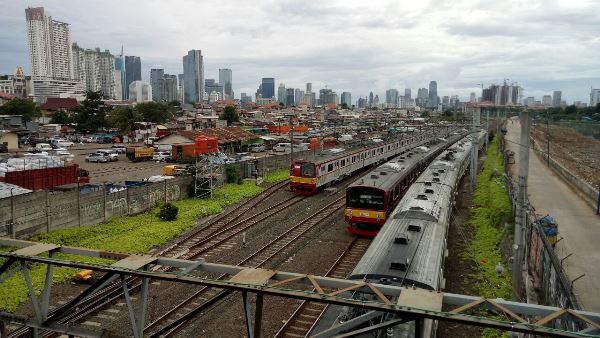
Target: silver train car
x,y
411,247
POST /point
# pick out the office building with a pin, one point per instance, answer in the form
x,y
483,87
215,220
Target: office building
x,y
280,93
290,99
140,91
328,96
556,98
167,85
502,95
361,103
376,101
267,88
391,98
155,76
433,95
215,89
547,100
530,101
422,97
308,88
472,98
121,75
180,88
594,97
193,76
245,98
225,80
407,95
133,71
346,98
45,87
370,99
49,43
298,95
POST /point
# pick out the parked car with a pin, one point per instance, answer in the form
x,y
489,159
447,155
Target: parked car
x,y
111,154
282,147
87,139
96,157
161,156
42,147
119,148
257,148
64,154
61,143
104,140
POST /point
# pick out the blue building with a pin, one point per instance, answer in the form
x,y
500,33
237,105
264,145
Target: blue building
x,y
133,71
268,87
193,76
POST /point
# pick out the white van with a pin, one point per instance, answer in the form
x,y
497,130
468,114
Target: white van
x,y
282,148
43,147
345,138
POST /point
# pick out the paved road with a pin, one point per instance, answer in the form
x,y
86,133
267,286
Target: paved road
x,y
578,224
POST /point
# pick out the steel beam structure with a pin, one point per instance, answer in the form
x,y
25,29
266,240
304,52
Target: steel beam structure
x,y
518,317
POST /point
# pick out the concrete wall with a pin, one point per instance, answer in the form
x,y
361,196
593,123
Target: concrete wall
x,y
584,189
26,215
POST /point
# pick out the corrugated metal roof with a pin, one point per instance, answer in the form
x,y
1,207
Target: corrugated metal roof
x,y
5,190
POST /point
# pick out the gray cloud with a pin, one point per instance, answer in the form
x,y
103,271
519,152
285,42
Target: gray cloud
x,y
348,45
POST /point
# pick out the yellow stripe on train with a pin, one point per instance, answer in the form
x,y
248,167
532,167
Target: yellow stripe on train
x,y
304,180
365,213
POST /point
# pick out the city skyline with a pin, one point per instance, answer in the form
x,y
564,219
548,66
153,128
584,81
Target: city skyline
x,y
455,46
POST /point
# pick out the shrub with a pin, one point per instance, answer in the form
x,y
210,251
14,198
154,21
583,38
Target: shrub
x,y
232,173
168,212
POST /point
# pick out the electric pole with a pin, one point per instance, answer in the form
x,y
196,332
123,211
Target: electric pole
x,y
521,212
474,149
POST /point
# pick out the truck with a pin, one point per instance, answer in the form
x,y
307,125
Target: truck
x,y
45,178
137,154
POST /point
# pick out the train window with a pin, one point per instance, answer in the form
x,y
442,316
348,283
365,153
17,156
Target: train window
x,y
366,198
422,197
436,179
429,191
330,167
307,170
428,184
343,162
389,147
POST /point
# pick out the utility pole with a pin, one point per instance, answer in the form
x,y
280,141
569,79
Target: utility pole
x,y
521,212
474,149
487,128
291,142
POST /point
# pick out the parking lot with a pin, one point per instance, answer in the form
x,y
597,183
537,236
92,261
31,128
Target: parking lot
x,y
119,171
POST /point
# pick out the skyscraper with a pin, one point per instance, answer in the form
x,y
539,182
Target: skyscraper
x,y
433,95
298,95
215,89
308,88
225,79
49,43
120,75
472,98
391,97
193,75
155,76
556,98
594,97
290,99
167,85
133,71
347,99
407,95
280,93
140,91
370,99
328,96
422,97
95,70
547,100
267,87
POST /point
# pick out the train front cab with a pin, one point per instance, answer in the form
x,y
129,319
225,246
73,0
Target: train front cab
x,y
303,177
365,210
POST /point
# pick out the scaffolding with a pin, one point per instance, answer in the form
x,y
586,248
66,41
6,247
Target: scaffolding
x,y
208,175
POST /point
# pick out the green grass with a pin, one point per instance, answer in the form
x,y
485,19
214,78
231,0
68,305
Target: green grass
x,y
491,208
130,234
277,176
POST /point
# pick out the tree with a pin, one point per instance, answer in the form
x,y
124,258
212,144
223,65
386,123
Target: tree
x,y
124,118
598,107
24,107
60,117
230,115
571,110
155,112
344,105
175,103
91,115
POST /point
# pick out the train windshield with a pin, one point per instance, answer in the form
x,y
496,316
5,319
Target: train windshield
x,y
303,169
366,198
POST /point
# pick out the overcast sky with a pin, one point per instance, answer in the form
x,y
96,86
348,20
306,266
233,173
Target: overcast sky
x,y
348,45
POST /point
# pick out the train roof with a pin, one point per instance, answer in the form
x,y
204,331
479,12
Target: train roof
x,y
409,246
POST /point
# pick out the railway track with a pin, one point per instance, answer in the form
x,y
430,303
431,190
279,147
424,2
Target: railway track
x,y
307,313
178,317
113,292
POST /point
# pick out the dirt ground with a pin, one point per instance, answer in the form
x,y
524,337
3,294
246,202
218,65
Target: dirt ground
x,y
578,153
